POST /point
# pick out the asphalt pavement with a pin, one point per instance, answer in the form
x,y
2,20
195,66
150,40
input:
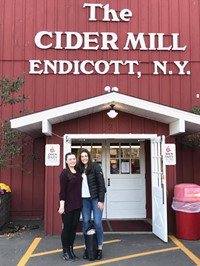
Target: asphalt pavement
x,y
24,243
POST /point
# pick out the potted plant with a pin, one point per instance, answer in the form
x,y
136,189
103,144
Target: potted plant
x,y
5,195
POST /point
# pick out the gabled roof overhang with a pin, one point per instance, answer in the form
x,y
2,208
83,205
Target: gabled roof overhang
x,y
41,122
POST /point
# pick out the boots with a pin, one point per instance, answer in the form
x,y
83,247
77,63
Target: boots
x,y
99,254
67,255
72,252
85,254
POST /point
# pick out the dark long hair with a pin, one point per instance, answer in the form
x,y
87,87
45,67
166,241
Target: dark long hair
x,y
69,173
81,166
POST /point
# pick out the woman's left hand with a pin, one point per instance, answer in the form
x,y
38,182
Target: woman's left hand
x,y
100,205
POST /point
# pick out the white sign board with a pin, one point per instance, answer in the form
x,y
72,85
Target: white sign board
x,y
125,167
52,154
170,154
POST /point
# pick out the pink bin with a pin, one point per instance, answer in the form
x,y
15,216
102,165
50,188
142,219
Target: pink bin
x,y
187,192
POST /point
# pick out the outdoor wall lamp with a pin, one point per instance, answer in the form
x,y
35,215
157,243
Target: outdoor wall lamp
x,y
109,89
112,113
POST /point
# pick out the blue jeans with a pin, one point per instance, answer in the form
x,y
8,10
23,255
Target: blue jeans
x,y
89,206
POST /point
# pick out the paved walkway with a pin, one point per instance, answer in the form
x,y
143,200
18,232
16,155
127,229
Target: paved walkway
x,y
30,247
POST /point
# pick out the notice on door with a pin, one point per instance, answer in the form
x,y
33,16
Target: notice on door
x,y
170,154
52,154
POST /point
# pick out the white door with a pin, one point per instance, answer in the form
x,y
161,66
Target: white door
x,y
125,172
123,165
159,199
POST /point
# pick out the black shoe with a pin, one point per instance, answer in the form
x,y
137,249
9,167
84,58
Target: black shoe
x,y
67,255
72,253
99,254
85,255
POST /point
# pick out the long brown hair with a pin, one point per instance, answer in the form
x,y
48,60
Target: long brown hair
x,y
81,166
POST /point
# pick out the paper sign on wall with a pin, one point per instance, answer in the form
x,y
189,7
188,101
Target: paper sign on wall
x,y
170,154
52,154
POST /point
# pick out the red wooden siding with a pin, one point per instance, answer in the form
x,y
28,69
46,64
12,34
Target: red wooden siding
x,y
22,20
26,180
123,123
188,164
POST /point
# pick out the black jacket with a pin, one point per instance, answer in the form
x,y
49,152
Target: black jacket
x,y
96,182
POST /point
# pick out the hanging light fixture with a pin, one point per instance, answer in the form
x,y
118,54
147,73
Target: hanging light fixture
x,y
112,113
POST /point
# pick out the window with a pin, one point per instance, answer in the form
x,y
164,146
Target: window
x,y
94,148
124,158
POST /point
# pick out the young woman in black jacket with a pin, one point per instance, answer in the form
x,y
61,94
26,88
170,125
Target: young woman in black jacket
x,y
93,193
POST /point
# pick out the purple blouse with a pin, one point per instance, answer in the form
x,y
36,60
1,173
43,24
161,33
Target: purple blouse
x,y
70,190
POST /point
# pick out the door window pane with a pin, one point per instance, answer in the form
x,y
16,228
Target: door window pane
x,y
135,166
97,152
135,151
114,167
114,150
125,166
76,147
125,150
124,158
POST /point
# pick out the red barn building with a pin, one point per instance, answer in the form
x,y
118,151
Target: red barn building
x,y
79,60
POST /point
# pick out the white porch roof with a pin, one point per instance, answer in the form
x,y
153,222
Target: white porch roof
x,y
41,122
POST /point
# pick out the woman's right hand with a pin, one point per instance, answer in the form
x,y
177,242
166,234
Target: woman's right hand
x,y
61,210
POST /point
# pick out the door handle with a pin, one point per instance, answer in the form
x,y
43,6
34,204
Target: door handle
x,y
108,182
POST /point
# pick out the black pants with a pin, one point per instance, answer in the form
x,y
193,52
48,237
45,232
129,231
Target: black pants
x,y
70,222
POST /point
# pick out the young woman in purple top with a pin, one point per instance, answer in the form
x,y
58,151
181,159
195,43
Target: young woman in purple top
x,y
70,205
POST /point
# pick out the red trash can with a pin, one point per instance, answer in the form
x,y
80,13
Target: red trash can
x,y
186,203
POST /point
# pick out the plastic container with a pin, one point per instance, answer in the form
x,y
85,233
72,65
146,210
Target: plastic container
x,y
187,192
186,203
188,225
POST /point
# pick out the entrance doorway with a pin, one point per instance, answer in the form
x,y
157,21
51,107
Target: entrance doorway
x,y
122,159
123,165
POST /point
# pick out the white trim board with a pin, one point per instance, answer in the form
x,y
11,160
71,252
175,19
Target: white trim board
x,y
41,122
